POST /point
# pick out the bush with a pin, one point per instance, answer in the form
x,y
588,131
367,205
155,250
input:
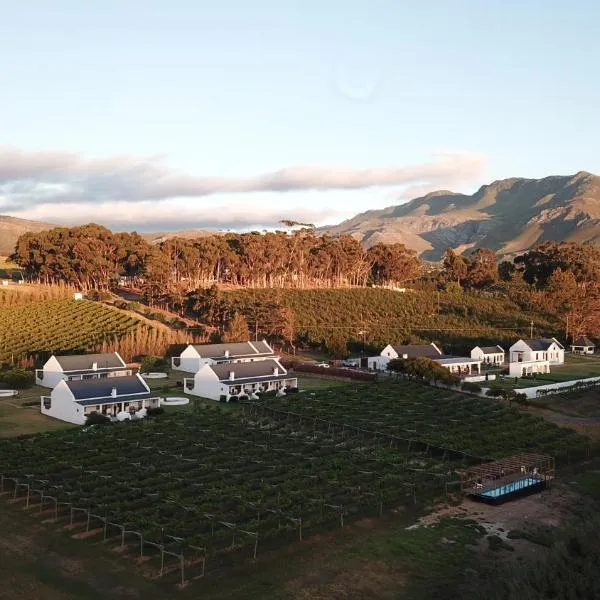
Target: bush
x,y
222,398
291,390
155,412
269,393
471,386
495,392
149,363
233,398
121,304
243,398
18,379
96,418
521,398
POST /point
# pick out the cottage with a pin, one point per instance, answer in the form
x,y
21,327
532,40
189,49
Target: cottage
x,y
489,355
459,365
232,379
390,352
527,357
73,401
79,367
197,355
583,345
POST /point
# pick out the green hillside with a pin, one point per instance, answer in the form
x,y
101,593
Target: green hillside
x,y
457,321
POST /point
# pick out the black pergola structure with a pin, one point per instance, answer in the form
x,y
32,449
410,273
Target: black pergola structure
x,y
508,478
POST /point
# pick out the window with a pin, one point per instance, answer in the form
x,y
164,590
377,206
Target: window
x,y
47,402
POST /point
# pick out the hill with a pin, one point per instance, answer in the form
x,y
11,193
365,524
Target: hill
x,y
509,216
12,228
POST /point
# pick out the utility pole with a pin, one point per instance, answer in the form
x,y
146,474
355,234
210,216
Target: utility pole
x,y
567,331
531,330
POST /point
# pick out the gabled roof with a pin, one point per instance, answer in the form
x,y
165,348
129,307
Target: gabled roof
x,y
85,362
258,368
583,341
492,349
417,350
240,349
102,388
542,344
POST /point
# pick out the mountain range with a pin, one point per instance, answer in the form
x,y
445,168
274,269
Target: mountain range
x,y
508,215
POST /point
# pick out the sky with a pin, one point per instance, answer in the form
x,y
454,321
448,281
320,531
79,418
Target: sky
x,y
161,115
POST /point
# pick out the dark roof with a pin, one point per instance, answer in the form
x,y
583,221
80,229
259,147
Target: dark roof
x,y
241,349
541,344
491,349
583,341
417,351
100,388
111,400
455,360
85,362
259,379
89,371
258,368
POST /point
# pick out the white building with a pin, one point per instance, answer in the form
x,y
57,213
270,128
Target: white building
x,y
527,357
232,379
73,401
583,345
79,367
460,365
196,355
490,355
390,352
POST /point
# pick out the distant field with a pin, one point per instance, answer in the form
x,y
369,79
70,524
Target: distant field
x,y
59,326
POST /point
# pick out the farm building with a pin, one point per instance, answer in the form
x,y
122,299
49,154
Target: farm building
x,y
379,363
232,379
490,355
196,355
73,401
459,365
583,345
527,357
78,367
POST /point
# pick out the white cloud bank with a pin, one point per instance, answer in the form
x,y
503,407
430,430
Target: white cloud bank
x,y
143,193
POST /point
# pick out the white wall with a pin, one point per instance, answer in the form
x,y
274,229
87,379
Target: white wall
x,y
532,391
63,406
378,363
206,384
52,373
516,369
389,352
496,359
479,378
189,360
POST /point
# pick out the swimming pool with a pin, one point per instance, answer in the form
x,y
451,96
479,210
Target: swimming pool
x,y
511,488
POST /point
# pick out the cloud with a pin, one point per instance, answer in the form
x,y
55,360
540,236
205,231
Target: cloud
x,y
31,182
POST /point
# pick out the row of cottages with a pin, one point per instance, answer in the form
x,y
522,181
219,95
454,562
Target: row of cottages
x,y
81,367
221,380
73,400
197,355
459,365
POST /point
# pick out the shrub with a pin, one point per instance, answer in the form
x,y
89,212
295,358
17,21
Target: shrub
x,y
95,418
243,398
495,392
269,393
233,398
521,398
150,363
222,398
291,390
17,378
155,412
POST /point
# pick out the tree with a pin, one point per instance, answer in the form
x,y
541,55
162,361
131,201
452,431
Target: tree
x,y
237,329
483,269
392,263
454,266
95,418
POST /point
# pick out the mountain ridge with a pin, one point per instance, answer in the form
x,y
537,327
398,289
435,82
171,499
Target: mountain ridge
x,y
508,215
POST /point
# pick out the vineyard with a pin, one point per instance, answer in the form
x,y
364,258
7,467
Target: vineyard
x,y
207,486
434,417
199,490
381,316
58,326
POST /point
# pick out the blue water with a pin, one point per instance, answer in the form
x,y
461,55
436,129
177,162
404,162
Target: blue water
x,y
513,486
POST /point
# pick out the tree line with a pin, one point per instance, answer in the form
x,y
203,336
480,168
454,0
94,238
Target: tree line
x,y
92,257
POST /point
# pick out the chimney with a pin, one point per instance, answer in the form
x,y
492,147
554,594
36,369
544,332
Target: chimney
x,y
226,353
275,371
231,375
94,366
113,392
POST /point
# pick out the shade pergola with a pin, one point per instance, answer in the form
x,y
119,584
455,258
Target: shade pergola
x,y
505,470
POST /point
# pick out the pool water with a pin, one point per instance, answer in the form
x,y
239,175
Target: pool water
x,y
509,488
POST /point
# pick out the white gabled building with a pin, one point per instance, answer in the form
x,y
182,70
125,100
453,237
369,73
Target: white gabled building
x,y
73,401
196,355
490,355
390,352
232,379
76,367
583,345
527,357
